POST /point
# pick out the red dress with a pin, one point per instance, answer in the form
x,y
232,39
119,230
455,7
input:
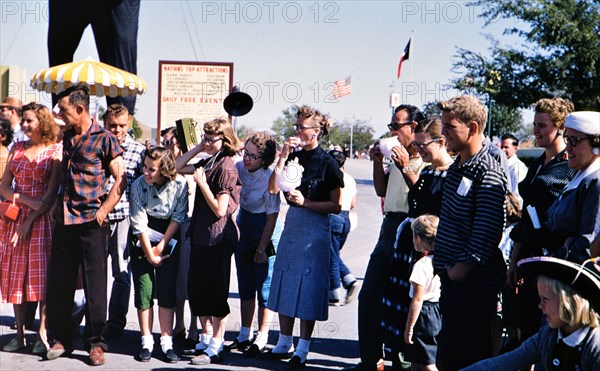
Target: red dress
x,y
23,267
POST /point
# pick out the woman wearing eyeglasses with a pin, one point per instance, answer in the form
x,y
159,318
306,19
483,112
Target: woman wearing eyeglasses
x,y
546,177
300,286
575,214
34,170
213,231
259,237
424,197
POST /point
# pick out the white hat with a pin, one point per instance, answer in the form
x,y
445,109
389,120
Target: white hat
x,y
587,122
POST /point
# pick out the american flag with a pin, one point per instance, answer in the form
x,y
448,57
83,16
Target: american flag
x,y
404,57
342,87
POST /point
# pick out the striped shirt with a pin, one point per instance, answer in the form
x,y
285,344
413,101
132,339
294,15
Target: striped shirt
x,y
134,165
170,201
85,169
472,219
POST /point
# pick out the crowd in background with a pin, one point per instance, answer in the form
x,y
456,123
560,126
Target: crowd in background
x,y
466,227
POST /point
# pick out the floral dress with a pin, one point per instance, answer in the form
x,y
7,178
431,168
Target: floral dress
x,y
23,267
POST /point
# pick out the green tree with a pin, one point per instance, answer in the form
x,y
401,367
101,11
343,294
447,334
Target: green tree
x,y
136,130
362,133
559,57
243,132
283,126
430,109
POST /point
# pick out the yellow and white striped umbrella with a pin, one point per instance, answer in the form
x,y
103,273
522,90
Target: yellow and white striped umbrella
x,y
103,79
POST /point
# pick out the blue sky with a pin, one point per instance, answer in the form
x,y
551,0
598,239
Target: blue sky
x,y
285,52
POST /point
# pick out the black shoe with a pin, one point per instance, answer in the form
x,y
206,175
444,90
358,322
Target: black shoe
x,y
295,363
237,345
171,357
270,355
254,351
144,355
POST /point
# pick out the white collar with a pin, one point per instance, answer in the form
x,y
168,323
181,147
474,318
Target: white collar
x,y
575,338
594,167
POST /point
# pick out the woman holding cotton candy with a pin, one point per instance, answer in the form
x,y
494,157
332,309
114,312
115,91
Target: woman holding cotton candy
x,y
300,284
574,214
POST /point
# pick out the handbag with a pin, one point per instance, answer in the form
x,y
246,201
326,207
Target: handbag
x,y
10,210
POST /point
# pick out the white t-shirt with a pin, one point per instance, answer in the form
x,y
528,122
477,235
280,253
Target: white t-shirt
x,y
422,274
348,192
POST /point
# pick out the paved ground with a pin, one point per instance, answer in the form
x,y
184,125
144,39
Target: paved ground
x,y
334,344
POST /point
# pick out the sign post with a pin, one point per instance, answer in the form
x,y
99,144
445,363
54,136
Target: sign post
x,y
193,90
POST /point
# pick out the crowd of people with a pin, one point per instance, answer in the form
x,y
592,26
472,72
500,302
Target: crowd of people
x,y
466,227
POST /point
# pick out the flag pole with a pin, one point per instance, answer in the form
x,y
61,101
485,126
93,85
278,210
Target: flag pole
x,y
412,35
351,123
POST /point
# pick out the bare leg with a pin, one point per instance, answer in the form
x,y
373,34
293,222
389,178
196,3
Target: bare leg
x,y
306,329
42,330
165,318
287,324
218,326
146,318
265,319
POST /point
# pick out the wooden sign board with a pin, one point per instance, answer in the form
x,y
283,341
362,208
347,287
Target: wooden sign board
x,y
193,90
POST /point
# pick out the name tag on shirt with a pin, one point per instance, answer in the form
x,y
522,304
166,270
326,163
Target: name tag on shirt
x,y
464,186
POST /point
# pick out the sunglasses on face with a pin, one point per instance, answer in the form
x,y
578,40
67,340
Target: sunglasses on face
x,y
397,125
573,140
302,128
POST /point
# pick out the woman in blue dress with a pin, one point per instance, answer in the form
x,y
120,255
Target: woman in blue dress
x,y
300,285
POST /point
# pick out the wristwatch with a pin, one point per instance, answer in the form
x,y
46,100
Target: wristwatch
x,y
409,167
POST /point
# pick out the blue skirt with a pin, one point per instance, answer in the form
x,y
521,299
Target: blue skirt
x,y
300,284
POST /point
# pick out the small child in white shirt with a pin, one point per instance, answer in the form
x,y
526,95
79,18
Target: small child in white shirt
x,y
424,320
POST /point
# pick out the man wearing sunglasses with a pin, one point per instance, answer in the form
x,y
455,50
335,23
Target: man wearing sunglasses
x,y
392,184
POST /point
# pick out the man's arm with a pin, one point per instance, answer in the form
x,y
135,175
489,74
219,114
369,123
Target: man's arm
x,y
116,166
379,176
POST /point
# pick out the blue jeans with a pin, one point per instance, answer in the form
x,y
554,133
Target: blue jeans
x,y
340,227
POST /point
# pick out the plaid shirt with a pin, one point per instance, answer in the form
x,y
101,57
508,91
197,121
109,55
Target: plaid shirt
x,y
134,167
86,170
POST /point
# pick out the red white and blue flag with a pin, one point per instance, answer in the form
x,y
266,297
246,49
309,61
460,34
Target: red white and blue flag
x,y
404,56
342,87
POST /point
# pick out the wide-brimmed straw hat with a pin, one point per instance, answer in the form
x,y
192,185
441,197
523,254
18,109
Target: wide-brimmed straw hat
x,y
585,281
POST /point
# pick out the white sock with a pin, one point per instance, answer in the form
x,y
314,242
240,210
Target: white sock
x,y
261,339
244,334
302,349
204,340
148,342
214,347
166,343
285,344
